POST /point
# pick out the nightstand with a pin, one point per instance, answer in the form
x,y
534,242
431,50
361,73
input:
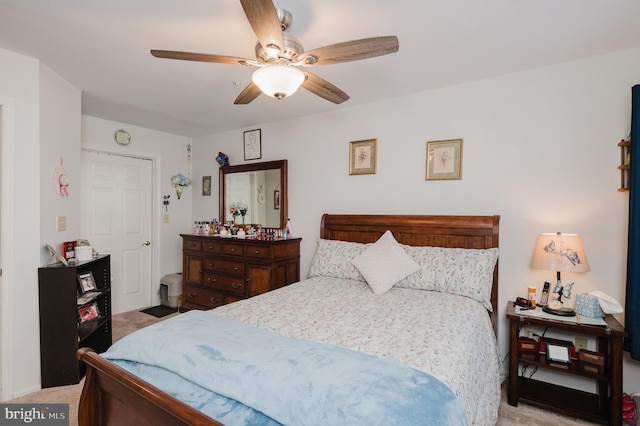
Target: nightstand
x,y
602,407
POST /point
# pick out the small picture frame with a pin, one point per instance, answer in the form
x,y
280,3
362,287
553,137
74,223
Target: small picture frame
x,y
363,157
86,281
88,312
69,250
444,160
206,186
276,199
252,145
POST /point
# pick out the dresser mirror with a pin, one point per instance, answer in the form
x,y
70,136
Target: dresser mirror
x,y
261,188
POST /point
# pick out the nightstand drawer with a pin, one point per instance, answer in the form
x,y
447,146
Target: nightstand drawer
x,y
225,282
223,266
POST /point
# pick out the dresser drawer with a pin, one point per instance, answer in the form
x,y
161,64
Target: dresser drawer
x,y
191,245
212,247
204,297
225,266
258,251
233,249
225,282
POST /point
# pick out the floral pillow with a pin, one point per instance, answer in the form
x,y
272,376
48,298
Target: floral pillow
x,y
333,259
384,263
466,272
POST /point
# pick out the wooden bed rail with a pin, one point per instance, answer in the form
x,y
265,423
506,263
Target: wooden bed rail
x,y
121,398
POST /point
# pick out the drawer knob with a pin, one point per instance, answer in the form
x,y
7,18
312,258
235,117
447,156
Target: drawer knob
x,y
256,252
191,294
214,300
236,285
233,249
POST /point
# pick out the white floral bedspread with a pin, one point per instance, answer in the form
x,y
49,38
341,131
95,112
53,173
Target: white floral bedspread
x,y
442,334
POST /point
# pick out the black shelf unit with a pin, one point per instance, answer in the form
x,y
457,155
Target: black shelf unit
x,y
61,331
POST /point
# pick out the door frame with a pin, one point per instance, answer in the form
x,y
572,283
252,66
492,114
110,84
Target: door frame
x,y
7,170
155,209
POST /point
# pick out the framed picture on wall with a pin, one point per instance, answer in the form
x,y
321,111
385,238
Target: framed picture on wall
x,y
444,160
206,186
252,145
276,199
363,157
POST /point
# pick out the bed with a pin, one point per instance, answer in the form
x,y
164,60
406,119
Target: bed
x,y
428,329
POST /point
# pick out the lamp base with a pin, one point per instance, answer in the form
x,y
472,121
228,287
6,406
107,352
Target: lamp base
x,y
563,312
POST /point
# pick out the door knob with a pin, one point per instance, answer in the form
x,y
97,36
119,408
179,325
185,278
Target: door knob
x,y
146,243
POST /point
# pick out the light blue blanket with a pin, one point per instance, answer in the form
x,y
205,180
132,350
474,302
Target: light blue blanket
x,y
239,374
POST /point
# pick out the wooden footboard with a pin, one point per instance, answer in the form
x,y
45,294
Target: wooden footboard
x,y
113,396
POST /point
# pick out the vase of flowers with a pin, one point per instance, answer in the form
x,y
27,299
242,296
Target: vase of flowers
x,y
238,209
179,182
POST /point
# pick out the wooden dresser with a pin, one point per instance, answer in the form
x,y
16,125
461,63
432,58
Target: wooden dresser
x,y
219,270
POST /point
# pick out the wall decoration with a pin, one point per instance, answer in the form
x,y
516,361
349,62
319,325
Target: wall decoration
x,y
179,182
206,186
60,180
362,157
122,137
252,145
165,202
222,159
444,160
276,199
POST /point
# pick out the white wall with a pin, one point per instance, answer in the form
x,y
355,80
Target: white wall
x,y
540,149
169,154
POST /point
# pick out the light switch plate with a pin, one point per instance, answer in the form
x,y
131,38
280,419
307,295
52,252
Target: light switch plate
x,y
61,223
165,218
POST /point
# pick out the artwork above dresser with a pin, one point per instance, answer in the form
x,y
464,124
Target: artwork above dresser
x,y
221,270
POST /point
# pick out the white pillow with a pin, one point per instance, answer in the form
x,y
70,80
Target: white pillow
x,y
384,263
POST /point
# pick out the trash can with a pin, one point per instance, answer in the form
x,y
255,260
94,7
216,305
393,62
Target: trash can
x,y
171,290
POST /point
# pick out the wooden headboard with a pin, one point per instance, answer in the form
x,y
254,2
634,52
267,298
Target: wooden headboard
x,y
479,232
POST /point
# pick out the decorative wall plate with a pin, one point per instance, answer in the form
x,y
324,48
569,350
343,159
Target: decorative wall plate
x,y
122,137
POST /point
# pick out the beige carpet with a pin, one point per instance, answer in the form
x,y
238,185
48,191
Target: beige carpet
x,y
126,323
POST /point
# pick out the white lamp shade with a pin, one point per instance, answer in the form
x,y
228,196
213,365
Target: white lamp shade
x,y
560,252
278,80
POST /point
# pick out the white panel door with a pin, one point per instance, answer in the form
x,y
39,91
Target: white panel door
x,y
116,218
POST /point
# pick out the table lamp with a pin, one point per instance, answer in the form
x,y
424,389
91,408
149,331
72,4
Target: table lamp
x,y
561,253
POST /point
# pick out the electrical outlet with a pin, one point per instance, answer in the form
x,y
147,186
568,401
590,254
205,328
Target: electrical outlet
x,y
581,343
527,332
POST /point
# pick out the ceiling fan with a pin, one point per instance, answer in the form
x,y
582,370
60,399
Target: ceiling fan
x,y
279,56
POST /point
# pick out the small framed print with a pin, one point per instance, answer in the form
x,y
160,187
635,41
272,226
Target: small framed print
x,y
252,145
206,186
362,157
444,160
88,312
276,199
87,283
69,250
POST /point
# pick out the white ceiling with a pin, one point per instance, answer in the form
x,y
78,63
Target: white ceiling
x,y
102,47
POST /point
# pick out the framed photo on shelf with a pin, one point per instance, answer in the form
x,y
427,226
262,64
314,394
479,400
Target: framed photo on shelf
x,y
252,145
87,283
88,312
444,160
363,157
276,199
69,250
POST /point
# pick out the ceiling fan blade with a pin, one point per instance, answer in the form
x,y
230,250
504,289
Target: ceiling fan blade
x,y
263,18
248,94
348,51
199,57
324,89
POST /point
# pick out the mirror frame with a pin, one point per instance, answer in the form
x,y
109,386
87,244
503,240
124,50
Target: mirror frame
x,y
252,167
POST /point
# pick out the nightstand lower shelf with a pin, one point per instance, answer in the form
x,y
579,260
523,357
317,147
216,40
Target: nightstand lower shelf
x,y
571,402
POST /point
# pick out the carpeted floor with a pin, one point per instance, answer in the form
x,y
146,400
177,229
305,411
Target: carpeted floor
x,y
128,322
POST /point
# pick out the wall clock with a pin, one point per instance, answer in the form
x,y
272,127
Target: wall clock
x,y
122,137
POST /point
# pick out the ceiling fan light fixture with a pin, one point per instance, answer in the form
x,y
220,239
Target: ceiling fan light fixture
x,y
278,80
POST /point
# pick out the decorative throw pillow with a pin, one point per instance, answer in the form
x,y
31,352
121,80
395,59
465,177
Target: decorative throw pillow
x,y
333,259
384,263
